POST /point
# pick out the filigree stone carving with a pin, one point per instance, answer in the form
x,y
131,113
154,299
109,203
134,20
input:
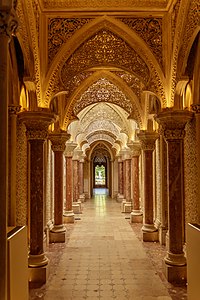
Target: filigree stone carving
x,y
105,48
60,30
8,22
102,125
150,30
58,140
102,91
14,109
147,139
196,108
71,85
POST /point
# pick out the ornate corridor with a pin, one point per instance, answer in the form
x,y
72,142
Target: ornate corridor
x,y
99,94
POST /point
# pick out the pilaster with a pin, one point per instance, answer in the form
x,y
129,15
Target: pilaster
x,y
58,140
173,130
147,140
37,124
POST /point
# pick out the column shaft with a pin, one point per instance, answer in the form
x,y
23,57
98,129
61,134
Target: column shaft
x,y
69,196
120,177
75,181
128,179
135,182
58,188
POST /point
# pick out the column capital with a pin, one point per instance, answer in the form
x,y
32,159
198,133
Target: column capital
x,y
70,146
125,154
173,123
37,123
13,109
8,22
77,154
135,148
58,140
196,108
147,139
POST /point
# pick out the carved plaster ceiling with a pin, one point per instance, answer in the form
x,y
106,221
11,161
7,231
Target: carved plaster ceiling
x,y
103,91
105,49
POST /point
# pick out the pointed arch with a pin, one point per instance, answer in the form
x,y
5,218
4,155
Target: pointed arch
x,y
120,29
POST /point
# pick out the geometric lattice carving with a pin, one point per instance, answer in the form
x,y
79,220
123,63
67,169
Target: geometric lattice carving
x,y
102,91
105,48
150,30
132,81
60,30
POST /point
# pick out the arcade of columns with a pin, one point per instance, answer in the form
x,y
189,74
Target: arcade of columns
x,y
136,176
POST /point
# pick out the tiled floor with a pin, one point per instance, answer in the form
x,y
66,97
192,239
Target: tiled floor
x,y
103,258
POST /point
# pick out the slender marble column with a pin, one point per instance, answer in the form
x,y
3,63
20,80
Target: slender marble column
x,y
126,203
147,139
75,180
8,24
81,180
136,214
68,211
58,140
13,110
173,124
120,196
37,124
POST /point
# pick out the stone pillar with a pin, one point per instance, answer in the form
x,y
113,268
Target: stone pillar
x,y
37,124
120,195
8,24
58,140
173,124
136,214
81,180
76,185
147,139
13,110
68,212
127,203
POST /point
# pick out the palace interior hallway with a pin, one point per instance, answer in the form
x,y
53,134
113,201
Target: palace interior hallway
x,y
104,259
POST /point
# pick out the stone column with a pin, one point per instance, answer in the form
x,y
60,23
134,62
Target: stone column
x,y
8,24
81,180
76,203
127,203
173,124
120,195
13,110
147,139
37,124
58,140
136,214
68,212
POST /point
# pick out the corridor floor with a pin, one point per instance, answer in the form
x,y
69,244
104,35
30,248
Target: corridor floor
x,y
101,259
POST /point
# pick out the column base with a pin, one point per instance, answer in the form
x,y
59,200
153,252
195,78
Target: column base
x,y
126,207
76,206
82,198
38,276
162,235
175,274
149,233
36,261
120,198
123,202
68,217
57,234
136,216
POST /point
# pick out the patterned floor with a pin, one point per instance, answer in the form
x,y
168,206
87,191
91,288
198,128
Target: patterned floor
x,y
104,258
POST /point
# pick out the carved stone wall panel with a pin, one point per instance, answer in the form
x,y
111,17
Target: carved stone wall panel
x,y
21,180
105,48
60,30
103,91
150,30
190,174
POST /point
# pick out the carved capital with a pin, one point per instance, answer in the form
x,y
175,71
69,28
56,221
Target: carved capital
x,y
37,123
147,139
58,140
8,22
14,109
173,123
135,148
196,108
70,146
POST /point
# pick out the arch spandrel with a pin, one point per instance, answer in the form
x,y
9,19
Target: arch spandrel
x,y
122,31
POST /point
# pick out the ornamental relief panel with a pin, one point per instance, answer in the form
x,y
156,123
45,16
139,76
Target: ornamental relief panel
x,y
103,91
107,49
60,30
99,137
102,125
150,30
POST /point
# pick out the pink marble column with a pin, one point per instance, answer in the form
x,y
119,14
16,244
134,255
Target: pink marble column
x,y
68,211
58,140
126,203
81,180
37,124
147,139
136,214
120,195
8,24
173,124
75,180
128,179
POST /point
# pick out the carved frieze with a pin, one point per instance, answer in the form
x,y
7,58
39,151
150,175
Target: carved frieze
x,y
150,30
105,48
60,30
